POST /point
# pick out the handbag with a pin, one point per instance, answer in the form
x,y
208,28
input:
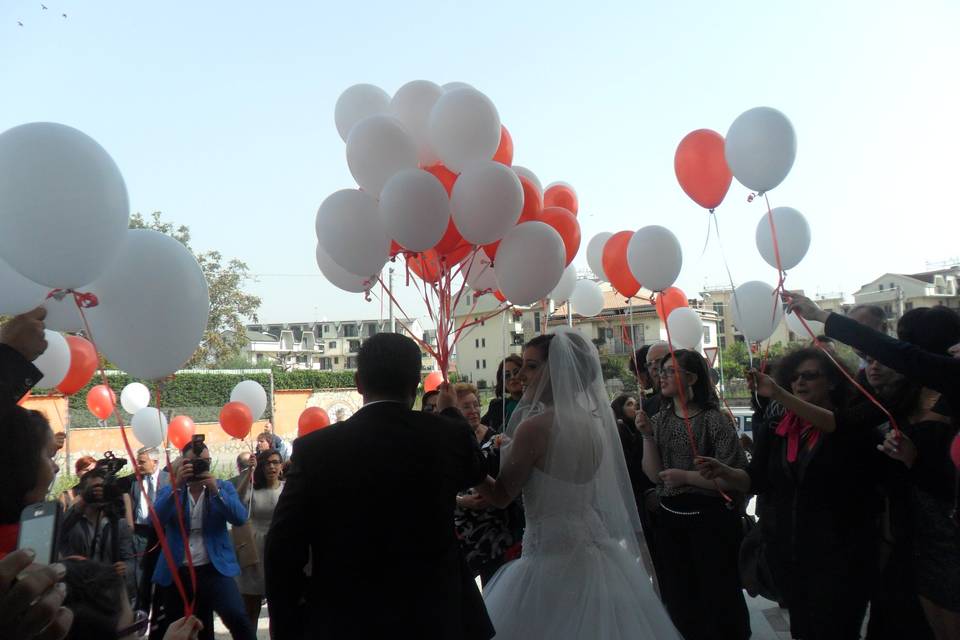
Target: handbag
x,y
755,575
244,543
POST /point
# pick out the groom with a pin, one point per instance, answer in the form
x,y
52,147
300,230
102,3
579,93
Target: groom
x,y
369,502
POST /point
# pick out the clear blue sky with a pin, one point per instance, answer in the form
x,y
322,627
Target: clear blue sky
x,y
220,114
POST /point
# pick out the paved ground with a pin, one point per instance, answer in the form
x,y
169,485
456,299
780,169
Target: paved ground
x,y
767,621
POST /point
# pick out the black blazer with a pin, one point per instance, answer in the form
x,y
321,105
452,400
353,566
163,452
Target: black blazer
x,y
17,376
372,500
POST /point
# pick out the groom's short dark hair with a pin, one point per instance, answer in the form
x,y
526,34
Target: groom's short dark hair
x,y
389,366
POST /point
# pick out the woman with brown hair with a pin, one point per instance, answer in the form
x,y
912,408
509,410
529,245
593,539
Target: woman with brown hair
x,y
508,391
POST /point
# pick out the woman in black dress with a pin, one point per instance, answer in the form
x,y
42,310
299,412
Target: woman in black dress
x,y
816,466
697,537
508,391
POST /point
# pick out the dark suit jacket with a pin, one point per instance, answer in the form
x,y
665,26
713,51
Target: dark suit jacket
x,y
17,376
372,499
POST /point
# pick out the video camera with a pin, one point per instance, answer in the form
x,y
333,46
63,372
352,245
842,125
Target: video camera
x,y
112,488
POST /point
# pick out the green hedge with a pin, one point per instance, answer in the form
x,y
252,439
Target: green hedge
x,y
201,395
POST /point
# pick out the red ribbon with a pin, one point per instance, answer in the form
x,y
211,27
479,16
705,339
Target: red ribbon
x,y
792,427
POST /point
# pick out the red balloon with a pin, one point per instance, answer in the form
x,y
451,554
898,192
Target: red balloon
x,y
561,195
236,419
615,264
180,431
83,364
499,296
312,419
504,154
426,265
101,400
532,205
566,225
433,380
669,299
701,168
955,451
451,243
444,175
395,248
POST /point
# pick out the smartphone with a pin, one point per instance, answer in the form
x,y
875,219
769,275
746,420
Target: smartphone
x,y
39,525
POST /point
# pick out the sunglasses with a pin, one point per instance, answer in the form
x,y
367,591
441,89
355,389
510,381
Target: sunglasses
x,y
806,376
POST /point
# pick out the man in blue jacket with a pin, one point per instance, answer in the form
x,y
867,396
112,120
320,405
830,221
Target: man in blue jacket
x,y
208,505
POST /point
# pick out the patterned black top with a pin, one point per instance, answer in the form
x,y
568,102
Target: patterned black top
x,y
715,437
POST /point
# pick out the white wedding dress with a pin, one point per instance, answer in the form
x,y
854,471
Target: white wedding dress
x,y
580,575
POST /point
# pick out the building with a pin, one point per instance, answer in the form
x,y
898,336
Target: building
x,y
898,293
720,300
324,346
617,330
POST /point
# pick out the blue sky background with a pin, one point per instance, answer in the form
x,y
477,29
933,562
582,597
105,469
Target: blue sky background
x,y
220,114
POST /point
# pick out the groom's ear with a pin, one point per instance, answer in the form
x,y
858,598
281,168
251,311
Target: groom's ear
x,y
356,381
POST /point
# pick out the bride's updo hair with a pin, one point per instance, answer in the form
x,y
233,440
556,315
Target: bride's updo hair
x,y
586,362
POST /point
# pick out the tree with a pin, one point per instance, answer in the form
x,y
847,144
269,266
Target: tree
x,y
230,306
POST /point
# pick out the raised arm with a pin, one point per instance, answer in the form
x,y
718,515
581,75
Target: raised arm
x,y
525,451
763,385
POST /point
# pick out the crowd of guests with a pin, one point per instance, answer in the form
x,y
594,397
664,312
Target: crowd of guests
x,y
856,497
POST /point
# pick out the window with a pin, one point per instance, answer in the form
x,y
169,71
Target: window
x,y
476,343
332,344
908,306
478,365
336,361
893,286
888,308
484,364
352,362
536,321
879,287
706,334
325,364
350,331
354,346
483,342
718,308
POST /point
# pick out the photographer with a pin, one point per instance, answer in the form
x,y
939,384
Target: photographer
x,y
94,527
207,505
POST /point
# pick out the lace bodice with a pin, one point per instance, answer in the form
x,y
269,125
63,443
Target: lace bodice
x,y
560,515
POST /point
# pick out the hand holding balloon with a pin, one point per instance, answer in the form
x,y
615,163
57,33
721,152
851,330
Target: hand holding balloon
x,y
804,307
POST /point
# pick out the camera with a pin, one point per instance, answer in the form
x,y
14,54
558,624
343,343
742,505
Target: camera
x,y
109,465
199,465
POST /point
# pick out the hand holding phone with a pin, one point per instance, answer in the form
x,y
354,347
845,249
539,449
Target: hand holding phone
x,y
31,597
39,526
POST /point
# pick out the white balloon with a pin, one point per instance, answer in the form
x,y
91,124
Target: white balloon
x,y
18,293
530,243
796,326
655,257
464,127
64,210
478,272
63,315
760,148
135,396
793,237
54,363
686,328
486,201
564,289
340,277
411,105
252,394
153,306
149,426
523,172
356,103
415,209
453,86
586,299
351,232
756,310
595,253
377,148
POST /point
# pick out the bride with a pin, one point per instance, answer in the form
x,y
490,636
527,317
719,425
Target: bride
x,y
580,573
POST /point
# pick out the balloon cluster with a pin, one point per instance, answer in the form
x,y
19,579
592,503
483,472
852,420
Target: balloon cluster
x,y
64,217
437,186
248,402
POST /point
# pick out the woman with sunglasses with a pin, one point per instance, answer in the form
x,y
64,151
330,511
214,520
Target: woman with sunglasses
x,y
697,535
261,501
508,391
816,465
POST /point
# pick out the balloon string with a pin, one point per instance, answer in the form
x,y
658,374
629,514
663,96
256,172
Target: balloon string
x,y
686,413
82,302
